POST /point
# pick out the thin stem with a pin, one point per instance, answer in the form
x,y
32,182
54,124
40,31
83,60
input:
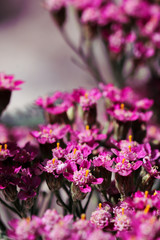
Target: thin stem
x,y
80,206
105,196
61,201
2,226
11,208
86,60
74,206
87,203
66,190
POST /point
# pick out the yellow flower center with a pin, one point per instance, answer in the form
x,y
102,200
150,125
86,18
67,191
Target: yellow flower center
x,y
87,172
130,138
123,160
87,127
100,205
83,216
58,144
122,106
146,210
74,151
86,95
122,211
146,194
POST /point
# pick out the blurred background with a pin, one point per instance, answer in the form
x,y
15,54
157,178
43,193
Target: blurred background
x,y
32,49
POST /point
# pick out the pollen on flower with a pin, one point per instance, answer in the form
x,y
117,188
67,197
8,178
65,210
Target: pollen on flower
x,y
129,148
53,160
122,106
87,172
87,127
122,211
86,95
50,131
5,146
0,148
28,219
130,138
74,151
123,160
100,205
146,194
83,216
155,193
58,144
146,210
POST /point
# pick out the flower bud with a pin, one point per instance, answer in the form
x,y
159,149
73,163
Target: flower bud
x,y
28,203
106,175
77,195
59,16
10,193
53,183
124,184
90,116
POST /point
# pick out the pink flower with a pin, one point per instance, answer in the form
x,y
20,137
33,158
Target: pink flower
x,y
123,115
90,98
56,104
54,4
7,82
51,133
82,178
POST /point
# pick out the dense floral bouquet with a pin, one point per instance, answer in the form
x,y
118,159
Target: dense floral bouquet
x,y
92,169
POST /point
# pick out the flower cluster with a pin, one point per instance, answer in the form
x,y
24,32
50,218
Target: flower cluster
x,y
54,226
126,26
77,152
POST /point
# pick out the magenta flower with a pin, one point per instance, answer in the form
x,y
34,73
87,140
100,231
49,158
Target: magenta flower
x,y
124,167
136,8
54,166
82,178
90,136
25,228
8,150
54,4
115,94
152,170
116,41
104,160
26,154
130,150
51,133
100,235
7,82
8,175
56,104
144,104
77,153
123,115
90,98
101,217
28,186
76,94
